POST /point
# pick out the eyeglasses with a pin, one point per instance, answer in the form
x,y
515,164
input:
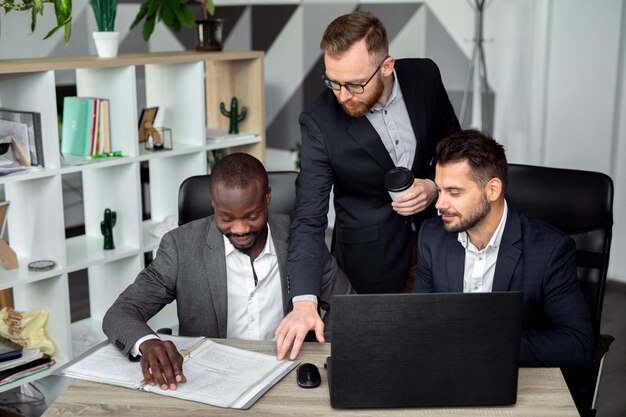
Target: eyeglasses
x,y
353,88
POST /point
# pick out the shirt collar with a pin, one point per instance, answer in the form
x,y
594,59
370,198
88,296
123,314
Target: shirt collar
x,y
268,249
395,88
496,238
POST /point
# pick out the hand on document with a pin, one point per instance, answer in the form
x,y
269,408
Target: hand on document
x,y
294,328
161,363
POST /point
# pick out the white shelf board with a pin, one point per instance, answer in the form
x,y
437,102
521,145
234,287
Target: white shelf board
x,y
21,275
82,163
179,148
230,142
84,251
28,174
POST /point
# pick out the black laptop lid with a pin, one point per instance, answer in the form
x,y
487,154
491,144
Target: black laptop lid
x,y
406,350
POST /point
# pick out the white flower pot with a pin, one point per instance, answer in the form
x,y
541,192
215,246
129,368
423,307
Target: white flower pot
x,y
106,43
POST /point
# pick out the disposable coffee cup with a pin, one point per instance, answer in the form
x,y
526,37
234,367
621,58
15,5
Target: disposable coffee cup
x,y
398,181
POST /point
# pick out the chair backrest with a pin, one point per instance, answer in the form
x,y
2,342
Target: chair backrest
x,y
580,203
194,195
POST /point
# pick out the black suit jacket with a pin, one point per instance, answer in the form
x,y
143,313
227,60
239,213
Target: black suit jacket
x,y
534,258
371,242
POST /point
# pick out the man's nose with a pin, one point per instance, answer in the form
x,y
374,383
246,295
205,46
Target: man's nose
x,y
441,203
345,94
239,227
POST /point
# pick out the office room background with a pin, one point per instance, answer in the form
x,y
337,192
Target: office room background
x,y
556,69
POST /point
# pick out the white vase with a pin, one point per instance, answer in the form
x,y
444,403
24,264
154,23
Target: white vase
x,y
106,43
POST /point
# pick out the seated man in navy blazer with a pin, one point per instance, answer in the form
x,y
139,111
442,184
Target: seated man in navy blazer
x,y
482,244
227,273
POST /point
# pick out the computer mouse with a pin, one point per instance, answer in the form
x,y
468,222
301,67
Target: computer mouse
x,y
308,376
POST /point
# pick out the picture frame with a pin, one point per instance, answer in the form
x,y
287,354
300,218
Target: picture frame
x,y
4,210
146,120
33,143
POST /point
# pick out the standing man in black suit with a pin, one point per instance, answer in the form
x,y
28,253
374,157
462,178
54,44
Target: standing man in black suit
x,y
377,114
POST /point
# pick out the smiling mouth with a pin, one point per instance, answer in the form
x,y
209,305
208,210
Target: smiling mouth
x,y
242,240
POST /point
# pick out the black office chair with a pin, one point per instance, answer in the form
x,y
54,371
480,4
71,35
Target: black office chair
x,y
194,195
580,203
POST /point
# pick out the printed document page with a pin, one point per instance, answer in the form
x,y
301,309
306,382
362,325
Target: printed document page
x,y
226,376
107,365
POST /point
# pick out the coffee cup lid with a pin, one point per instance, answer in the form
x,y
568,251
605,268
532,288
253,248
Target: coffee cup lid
x,y
398,179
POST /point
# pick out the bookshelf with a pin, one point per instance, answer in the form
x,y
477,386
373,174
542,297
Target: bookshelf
x,y
188,88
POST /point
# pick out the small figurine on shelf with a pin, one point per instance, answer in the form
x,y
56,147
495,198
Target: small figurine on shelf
x,y
106,226
233,116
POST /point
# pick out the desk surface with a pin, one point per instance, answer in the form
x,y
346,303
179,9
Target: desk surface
x,y
541,392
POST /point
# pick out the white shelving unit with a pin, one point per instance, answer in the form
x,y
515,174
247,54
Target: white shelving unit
x,y
188,88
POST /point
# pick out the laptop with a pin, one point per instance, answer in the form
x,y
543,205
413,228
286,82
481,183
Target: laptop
x,y
430,350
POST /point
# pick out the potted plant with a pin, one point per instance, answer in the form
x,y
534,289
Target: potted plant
x,y
209,28
62,11
106,38
175,14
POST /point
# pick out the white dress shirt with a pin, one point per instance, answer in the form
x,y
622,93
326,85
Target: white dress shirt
x,y
254,312
480,265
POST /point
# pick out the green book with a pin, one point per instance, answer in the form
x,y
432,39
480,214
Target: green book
x,y
74,138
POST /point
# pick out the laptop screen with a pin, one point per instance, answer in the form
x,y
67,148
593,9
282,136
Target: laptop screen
x,y
444,349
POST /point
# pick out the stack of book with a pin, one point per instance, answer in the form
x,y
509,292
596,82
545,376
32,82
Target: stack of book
x,y
17,363
85,128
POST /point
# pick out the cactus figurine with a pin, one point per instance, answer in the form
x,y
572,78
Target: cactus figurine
x,y
106,226
233,116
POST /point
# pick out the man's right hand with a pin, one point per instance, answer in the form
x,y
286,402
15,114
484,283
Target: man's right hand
x,y
294,328
161,363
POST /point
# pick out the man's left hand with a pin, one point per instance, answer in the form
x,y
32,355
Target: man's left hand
x,y
294,327
421,195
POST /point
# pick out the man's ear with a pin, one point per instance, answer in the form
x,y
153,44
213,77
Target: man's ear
x,y
387,67
268,196
494,189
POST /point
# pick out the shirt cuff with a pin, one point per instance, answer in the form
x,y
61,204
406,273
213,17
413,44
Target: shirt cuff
x,y
307,297
135,350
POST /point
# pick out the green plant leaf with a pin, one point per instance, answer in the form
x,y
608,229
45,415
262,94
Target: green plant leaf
x,y
140,15
176,26
167,14
185,16
68,33
153,6
59,26
33,19
148,27
38,6
210,7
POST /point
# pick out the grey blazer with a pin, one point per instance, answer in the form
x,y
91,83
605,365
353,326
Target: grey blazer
x,y
190,267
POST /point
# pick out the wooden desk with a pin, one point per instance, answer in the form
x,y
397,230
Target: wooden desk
x,y
541,392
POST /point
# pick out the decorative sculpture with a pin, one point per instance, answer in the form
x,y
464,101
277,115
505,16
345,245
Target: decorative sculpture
x,y
233,116
106,226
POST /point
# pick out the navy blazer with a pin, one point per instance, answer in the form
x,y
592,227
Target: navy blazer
x,y
371,242
534,258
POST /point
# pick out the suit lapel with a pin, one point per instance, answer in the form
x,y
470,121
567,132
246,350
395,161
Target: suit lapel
x,y
509,252
280,236
362,131
215,265
415,106
455,257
